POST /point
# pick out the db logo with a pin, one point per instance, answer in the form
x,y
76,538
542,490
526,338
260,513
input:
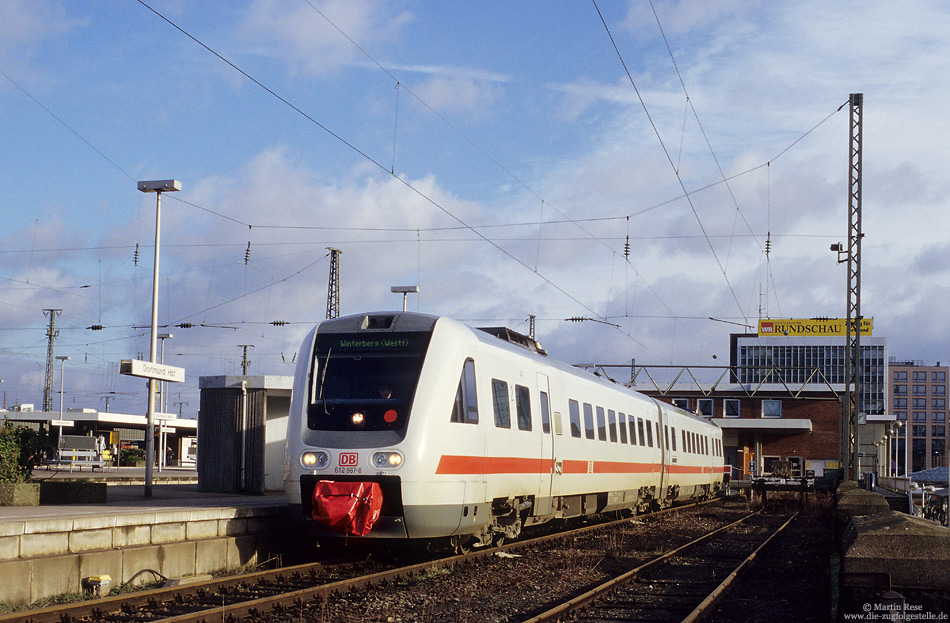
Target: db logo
x,y
349,459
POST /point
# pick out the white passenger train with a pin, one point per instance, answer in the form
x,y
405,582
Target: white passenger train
x,y
472,434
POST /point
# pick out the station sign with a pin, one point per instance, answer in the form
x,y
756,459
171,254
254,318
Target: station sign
x,y
810,327
149,370
62,423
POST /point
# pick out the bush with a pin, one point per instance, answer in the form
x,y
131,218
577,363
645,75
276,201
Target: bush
x,y
129,457
21,449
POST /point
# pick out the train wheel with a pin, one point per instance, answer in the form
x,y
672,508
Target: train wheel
x,y
461,543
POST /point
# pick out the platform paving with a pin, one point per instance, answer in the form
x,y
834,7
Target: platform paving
x,y
179,531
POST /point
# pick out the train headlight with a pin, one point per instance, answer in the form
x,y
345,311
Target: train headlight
x,y
384,460
315,460
358,418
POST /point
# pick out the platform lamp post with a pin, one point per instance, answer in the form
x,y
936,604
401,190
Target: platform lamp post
x,y
62,375
158,187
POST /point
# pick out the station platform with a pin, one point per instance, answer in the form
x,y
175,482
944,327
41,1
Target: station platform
x,y
884,550
178,532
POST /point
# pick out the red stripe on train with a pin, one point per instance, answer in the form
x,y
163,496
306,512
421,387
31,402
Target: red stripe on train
x,y
476,465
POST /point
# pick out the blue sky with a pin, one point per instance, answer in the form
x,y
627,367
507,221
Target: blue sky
x,y
494,153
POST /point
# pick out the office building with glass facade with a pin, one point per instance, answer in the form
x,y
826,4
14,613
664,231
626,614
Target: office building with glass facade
x,y
918,396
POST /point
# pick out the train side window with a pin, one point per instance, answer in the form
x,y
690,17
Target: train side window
x,y
523,404
499,397
545,414
465,409
673,437
650,435
588,421
601,424
683,438
633,430
643,439
612,425
658,434
666,436
622,420
575,418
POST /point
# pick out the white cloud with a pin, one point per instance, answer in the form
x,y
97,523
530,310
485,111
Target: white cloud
x,y
298,35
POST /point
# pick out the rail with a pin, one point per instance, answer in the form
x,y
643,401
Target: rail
x,y
265,591
600,592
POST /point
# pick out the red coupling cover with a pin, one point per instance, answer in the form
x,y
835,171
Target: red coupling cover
x,y
350,507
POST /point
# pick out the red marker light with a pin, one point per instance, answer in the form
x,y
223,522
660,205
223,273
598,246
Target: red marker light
x,y
390,416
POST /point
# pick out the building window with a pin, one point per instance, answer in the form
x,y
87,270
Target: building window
x,y
730,407
682,403
705,407
919,431
939,403
901,415
771,408
938,390
900,390
938,417
900,403
919,403
920,377
938,431
920,390
938,377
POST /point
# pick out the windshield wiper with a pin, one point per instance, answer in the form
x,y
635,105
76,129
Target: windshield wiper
x,y
323,378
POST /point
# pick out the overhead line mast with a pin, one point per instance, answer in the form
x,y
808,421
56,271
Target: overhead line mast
x,y
51,334
853,408
333,288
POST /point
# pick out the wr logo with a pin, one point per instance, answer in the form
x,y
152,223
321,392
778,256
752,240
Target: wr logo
x,y
349,459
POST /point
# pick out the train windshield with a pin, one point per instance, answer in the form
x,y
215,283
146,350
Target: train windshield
x,y
364,382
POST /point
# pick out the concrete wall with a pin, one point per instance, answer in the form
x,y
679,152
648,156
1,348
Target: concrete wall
x,y
43,558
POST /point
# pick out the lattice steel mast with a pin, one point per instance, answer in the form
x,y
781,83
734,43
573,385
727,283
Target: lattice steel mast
x,y
333,288
51,334
853,407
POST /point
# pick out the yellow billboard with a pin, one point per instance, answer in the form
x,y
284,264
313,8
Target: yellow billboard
x,y
810,327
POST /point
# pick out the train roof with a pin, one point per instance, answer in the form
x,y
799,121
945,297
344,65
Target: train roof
x,y
499,337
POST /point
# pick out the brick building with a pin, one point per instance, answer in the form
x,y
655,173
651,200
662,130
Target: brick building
x,y
766,427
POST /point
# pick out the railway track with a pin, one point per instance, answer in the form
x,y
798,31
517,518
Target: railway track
x,y
681,585
279,593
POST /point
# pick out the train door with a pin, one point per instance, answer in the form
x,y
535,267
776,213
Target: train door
x,y
548,432
661,441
